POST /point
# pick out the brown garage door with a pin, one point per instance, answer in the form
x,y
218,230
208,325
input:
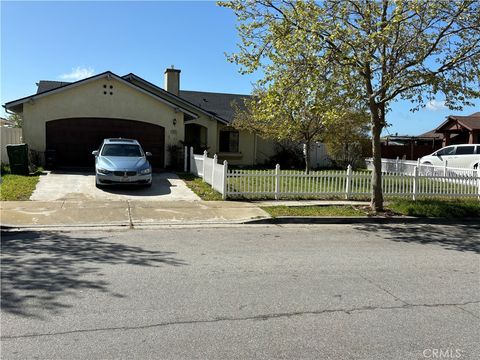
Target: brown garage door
x,y
75,139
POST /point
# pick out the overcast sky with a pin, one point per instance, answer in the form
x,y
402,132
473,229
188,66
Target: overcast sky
x,y
72,40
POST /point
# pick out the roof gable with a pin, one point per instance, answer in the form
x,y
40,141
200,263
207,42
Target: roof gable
x,y
217,106
52,87
453,122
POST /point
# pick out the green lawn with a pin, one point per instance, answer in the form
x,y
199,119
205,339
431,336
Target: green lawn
x,y
17,187
454,208
419,208
276,211
199,187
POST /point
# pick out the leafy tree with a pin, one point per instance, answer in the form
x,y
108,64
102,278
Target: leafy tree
x,y
377,51
289,109
16,119
347,139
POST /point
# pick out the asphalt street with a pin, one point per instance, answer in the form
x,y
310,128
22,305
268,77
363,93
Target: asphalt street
x,y
242,292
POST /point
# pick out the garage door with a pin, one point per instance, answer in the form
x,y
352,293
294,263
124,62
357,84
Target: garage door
x,y
75,139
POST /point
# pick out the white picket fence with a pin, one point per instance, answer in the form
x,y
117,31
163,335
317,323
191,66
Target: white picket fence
x,y
8,136
207,168
279,183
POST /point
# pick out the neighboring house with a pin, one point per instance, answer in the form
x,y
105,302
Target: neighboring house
x,y
73,118
410,147
460,129
454,130
6,122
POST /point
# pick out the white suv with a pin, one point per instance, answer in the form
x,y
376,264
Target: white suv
x,y
465,156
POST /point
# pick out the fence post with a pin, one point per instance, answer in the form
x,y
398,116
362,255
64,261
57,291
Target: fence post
x,y
213,166
277,181
185,159
192,159
478,180
415,183
224,180
445,168
203,164
397,160
349,182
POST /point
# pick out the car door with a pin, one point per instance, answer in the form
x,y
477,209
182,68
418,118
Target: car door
x,y
445,154
464,156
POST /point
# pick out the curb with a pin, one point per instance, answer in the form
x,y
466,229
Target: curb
x,y
284,220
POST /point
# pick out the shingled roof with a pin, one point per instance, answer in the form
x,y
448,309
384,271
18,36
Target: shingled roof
x,y
471,122
46,85
218,104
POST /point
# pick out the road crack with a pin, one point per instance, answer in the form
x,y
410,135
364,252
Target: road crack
x,y
247,318
130,221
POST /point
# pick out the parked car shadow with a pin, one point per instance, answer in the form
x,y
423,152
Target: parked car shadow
x,y
160,186
40,267
459,237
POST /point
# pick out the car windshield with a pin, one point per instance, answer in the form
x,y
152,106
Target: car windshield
x,y
125,150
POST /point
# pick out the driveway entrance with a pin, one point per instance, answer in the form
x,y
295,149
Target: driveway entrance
x,y
81,186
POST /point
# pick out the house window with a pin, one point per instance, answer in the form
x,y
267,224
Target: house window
x,y
229,141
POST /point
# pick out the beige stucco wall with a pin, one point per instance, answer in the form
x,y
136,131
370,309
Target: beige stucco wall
x,y
88,100
253,150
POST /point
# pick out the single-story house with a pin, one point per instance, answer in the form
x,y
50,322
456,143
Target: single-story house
x,y
454,130
460,129
73,118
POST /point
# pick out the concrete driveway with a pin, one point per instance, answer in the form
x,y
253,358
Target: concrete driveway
x,y
81,186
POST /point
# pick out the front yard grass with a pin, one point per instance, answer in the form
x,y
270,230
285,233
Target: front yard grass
x,y
327,210
455,208
419,208
17,187
199,187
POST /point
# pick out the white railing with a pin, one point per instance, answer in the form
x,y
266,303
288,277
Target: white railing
x,y
279,183
408,166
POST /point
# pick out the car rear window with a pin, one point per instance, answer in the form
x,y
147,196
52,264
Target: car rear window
x,y
465,150
126,150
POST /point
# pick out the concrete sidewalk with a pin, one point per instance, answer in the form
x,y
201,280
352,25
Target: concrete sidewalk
x,y
125,213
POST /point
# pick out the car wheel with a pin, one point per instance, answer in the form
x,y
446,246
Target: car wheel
x,y
428,170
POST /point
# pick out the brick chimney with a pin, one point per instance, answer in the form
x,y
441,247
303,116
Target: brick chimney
x,y
172,80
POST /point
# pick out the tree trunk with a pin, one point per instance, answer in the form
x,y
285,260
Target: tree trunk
x,y
307,157
377,193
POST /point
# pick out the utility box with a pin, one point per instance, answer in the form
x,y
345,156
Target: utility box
x,y
19,159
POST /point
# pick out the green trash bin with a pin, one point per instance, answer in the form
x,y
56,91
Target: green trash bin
x,y
19,159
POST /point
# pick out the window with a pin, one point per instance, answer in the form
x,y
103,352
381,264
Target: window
x,y
229,141
465,150
446,151
124,150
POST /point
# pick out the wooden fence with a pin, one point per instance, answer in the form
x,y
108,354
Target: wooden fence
x,y
8,136
277,183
